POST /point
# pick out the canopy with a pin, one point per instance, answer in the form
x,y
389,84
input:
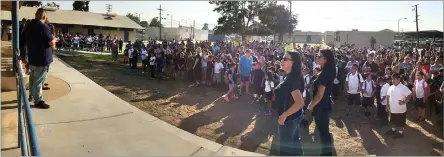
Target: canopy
x,y
7,5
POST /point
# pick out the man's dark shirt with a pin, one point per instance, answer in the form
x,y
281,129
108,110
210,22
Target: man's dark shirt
x,y
38,36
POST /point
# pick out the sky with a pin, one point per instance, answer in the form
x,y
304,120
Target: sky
x,y
315,16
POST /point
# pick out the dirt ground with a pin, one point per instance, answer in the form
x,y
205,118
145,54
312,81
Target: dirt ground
x,y
199,110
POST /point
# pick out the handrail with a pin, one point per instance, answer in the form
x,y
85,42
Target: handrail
x,y
28,141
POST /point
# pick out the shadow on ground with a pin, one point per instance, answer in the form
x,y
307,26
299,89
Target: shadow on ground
x,y
239,124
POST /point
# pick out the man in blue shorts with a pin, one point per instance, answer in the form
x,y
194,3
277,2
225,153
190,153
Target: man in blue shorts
x,y
245,66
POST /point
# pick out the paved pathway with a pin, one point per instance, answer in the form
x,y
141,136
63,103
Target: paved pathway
x,y
89,121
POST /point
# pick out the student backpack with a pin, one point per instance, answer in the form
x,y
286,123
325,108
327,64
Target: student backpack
x,y
359,76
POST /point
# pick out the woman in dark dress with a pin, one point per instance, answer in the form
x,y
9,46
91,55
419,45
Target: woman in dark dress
x,y
289,102
321,105
197,68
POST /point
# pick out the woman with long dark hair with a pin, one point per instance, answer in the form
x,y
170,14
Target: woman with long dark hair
x,y
321,105
289,102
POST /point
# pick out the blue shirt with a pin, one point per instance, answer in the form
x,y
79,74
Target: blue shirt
x,y
246,65
38,36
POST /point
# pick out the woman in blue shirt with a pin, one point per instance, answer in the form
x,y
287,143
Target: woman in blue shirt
x,y
321,105
289,102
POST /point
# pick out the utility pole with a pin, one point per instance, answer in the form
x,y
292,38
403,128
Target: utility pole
x,y
109,8
139,16
194,25
400,20
415,8
289,24
160,21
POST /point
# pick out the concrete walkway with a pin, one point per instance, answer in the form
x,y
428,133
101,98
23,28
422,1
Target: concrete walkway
x,y
89,121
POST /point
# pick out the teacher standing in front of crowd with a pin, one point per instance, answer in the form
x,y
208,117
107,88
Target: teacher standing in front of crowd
x,y
289,102
321,105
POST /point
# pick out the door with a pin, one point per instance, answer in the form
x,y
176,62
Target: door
x,y
125,36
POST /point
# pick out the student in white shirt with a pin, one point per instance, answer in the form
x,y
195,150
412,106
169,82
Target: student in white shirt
x,y
368,93
143,58
152,62
398,96
217,77
130,55
269,91
420,95
382,111
306,94
353,85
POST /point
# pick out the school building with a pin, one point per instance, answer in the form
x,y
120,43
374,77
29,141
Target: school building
x,y
82,22
362,39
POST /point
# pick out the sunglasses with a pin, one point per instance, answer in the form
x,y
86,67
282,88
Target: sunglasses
x,y
286,59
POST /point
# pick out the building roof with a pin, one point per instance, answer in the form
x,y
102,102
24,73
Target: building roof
x,y
426,34
76,18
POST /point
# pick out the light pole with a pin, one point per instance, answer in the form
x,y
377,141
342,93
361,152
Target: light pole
x,y
171,19
289,25
399,21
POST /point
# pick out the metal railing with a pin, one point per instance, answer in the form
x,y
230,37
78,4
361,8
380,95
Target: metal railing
x,y
27,137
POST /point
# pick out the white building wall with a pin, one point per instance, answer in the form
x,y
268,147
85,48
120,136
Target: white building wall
x,y
181,33
118,33
362,39
302,37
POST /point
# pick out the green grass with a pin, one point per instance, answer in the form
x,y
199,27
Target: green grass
x,y
94,57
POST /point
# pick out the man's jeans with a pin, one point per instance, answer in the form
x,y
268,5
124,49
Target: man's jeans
x,y
36,81
289,138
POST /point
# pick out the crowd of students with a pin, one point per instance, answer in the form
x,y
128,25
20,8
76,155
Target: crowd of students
x,y
384,79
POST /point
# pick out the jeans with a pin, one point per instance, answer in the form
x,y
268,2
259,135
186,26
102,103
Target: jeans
x,y
36,80
321,114
289,138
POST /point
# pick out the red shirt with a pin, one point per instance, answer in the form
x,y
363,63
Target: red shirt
x,y
426,68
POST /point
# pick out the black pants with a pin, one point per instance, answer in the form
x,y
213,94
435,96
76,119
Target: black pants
x,y
152,70
130,61
321,114
134,63
382,113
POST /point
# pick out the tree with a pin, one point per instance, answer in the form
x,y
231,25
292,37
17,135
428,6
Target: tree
x,y
155,23
372,42
143,23
236,16
80,6
258,29
205,26
278,19
53,4
32,3
133,17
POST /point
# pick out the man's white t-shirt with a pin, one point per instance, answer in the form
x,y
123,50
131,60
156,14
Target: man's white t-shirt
x,y
217,67
76,40
396,93
306,83
204,61
130,53
269,85
152,60
143,54
353,81
384,90
419,89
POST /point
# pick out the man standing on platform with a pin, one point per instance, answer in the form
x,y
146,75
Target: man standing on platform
x,y
40,44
